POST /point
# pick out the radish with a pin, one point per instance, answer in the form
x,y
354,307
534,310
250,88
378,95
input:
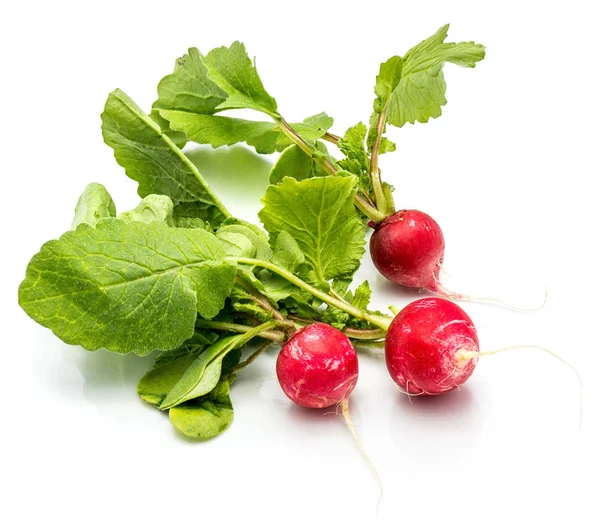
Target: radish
x,y
425,344
317,368
432,347
408,249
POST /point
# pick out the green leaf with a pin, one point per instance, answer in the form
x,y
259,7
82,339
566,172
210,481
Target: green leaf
x,y
357,162
188,88
362,296
319,214
155,385
152,208
413,87
218,131
154,161
293,162
225,131
287,252
95,203
257,237
204,417
233,71
202,375
126,287
178,137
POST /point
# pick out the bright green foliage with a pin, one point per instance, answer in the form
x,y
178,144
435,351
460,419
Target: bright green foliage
x,y
154,161
224,131
412,88
188,88
204,417
202,375
126,286
293,162
233,71
319,214
94,204
152,208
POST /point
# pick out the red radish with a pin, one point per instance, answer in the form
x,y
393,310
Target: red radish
x,y
426,344
408,249
318,367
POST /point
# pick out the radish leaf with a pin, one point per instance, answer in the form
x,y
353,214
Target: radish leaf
x,y
319,214
126,286
154,161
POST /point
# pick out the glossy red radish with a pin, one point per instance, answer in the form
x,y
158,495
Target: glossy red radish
x,y
317,368
408,249
425,346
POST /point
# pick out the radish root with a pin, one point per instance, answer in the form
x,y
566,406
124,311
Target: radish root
x,y
470,354
346,414
453,295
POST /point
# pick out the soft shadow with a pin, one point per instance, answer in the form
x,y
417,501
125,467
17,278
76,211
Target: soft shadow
x,y
451,418
233,172
106,373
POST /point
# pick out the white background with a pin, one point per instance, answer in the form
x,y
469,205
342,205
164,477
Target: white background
x,y
510,171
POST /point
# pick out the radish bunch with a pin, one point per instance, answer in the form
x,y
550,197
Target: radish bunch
x,y
182,276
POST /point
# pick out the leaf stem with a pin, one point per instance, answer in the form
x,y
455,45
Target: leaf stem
x,y
366,334
272,335
330,137
251,358
289,131
254,295
380,199
382,322
365,207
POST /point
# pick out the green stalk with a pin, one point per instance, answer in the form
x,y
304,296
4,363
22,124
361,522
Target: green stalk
x,y
377,320
380,196
272,335
288,130
364,205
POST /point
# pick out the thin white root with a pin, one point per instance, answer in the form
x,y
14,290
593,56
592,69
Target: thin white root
x,y
348,419
444,292
469,354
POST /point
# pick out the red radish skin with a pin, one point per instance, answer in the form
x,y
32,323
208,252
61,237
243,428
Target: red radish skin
x,y
408,249
317,367
424,347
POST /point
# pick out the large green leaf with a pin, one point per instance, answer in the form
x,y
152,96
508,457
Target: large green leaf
x,y
94,204
265,137
233,71
319,214
126,286
224,131
204,417
412,88
153,160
